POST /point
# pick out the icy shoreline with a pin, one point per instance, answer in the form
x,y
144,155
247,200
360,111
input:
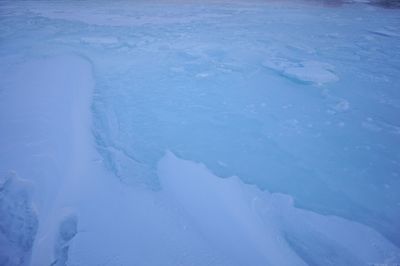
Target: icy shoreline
x,y
139,129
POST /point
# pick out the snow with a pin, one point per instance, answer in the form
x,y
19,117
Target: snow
x,y
199,133
47,137
19,221
251,226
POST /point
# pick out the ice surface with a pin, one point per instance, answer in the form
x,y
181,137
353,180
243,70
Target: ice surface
x,y
296,99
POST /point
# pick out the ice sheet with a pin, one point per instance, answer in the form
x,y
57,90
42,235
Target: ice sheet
x,y
297,99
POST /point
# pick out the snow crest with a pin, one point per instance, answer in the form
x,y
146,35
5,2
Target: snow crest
x,y
260,228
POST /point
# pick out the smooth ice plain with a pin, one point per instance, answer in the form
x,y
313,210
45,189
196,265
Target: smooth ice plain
x,y
199,133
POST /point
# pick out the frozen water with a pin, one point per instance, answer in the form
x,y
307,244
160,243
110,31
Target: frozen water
x,y
298,100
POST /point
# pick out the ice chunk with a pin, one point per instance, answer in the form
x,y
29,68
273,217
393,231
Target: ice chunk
x,y
314,72
67,230
18,220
